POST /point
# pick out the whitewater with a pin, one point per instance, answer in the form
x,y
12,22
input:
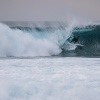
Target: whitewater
x,y
50,79
37,61
19,43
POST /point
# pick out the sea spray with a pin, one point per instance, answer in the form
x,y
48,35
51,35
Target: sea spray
x,y
14,42
20,43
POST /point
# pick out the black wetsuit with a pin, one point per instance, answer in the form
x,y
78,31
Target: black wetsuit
x,y
75,39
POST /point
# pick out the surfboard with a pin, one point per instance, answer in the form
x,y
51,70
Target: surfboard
x,y
78,44
71,46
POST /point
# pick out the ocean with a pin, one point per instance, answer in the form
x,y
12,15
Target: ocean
x,y
38,62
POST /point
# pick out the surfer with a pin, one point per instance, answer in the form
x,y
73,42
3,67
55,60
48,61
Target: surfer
x,y
75,39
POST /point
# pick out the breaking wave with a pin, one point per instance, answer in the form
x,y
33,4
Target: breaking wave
x,y
21,41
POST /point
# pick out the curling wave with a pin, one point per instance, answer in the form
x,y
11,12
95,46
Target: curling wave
x,y
21,41
90,38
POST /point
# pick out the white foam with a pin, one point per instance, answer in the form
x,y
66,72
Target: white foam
x,y
50,79
19,43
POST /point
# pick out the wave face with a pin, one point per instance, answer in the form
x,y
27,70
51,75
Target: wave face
x,y
91,42
48,39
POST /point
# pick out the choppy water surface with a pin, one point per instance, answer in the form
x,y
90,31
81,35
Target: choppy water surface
x,y
57,78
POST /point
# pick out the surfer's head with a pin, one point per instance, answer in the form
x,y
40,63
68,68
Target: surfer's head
x,y
78,36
